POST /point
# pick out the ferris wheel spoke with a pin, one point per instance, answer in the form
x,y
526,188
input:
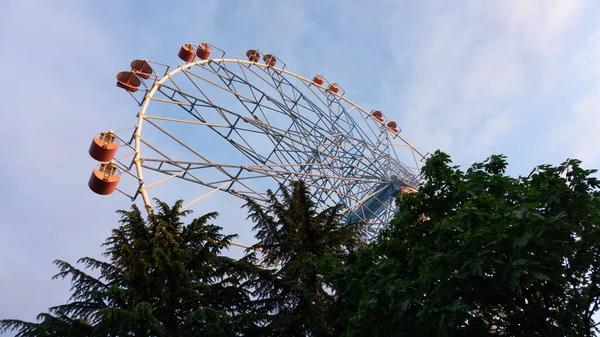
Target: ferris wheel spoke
x,y
279,135
257,101
368,120
227,184
182,173
192,101
233,78
341,185
284,108
323,117
262,106
241,189
176,89
274,169
228,88
329,155
334,98
195,102
171,101
352,156
268,71
220,111
297,138
206,102
176,120
247,149
280,84
181,143
330,106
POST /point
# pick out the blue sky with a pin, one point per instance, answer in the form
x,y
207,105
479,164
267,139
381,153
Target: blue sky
x,y
472,78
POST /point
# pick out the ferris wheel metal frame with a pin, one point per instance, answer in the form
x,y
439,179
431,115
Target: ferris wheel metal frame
x,y
340,159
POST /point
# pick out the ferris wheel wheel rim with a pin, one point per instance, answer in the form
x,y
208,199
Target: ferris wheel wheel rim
x,y
168,75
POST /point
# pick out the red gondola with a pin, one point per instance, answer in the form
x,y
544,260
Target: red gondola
x,y
141,68
392,126
104,147
334,88
104,179
319,80
378,115
204,50
186,53
128,81
253,55
270,60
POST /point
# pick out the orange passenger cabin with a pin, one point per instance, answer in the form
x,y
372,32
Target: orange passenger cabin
x,y
319,80
392,126
253,55
204,50
270,60
104,179
186,53
128,81
378,115
104,147
334,88
142,68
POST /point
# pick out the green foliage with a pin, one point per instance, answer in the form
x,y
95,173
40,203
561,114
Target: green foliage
x,y
479,253
163,278
304,245
471,253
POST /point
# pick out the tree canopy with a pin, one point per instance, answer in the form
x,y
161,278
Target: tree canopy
x,y
472,252
480,253
305,246
162,278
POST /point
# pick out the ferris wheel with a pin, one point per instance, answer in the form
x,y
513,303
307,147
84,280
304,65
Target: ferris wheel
x,y
243,126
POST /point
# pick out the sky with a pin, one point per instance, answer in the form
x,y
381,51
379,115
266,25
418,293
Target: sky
x,y
472,78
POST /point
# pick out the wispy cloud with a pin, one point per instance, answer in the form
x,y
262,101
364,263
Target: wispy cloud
x,y
475,59
581,134
57,61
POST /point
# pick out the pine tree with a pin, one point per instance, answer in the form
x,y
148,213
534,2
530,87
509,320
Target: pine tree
x,y
299,246
162,278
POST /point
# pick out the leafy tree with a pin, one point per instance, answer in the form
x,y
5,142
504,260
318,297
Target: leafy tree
x,y
299,247
479,253
163,278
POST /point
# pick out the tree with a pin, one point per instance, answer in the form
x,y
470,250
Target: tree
x,y
163,278
480,253
299,247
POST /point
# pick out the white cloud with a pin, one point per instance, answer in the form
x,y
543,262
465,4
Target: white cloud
x,y
55,56
540,25
493,73
587,61
489,130
475,60
580,134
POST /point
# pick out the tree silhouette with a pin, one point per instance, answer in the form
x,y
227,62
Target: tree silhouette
x,y
162,278
479,253
299,247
